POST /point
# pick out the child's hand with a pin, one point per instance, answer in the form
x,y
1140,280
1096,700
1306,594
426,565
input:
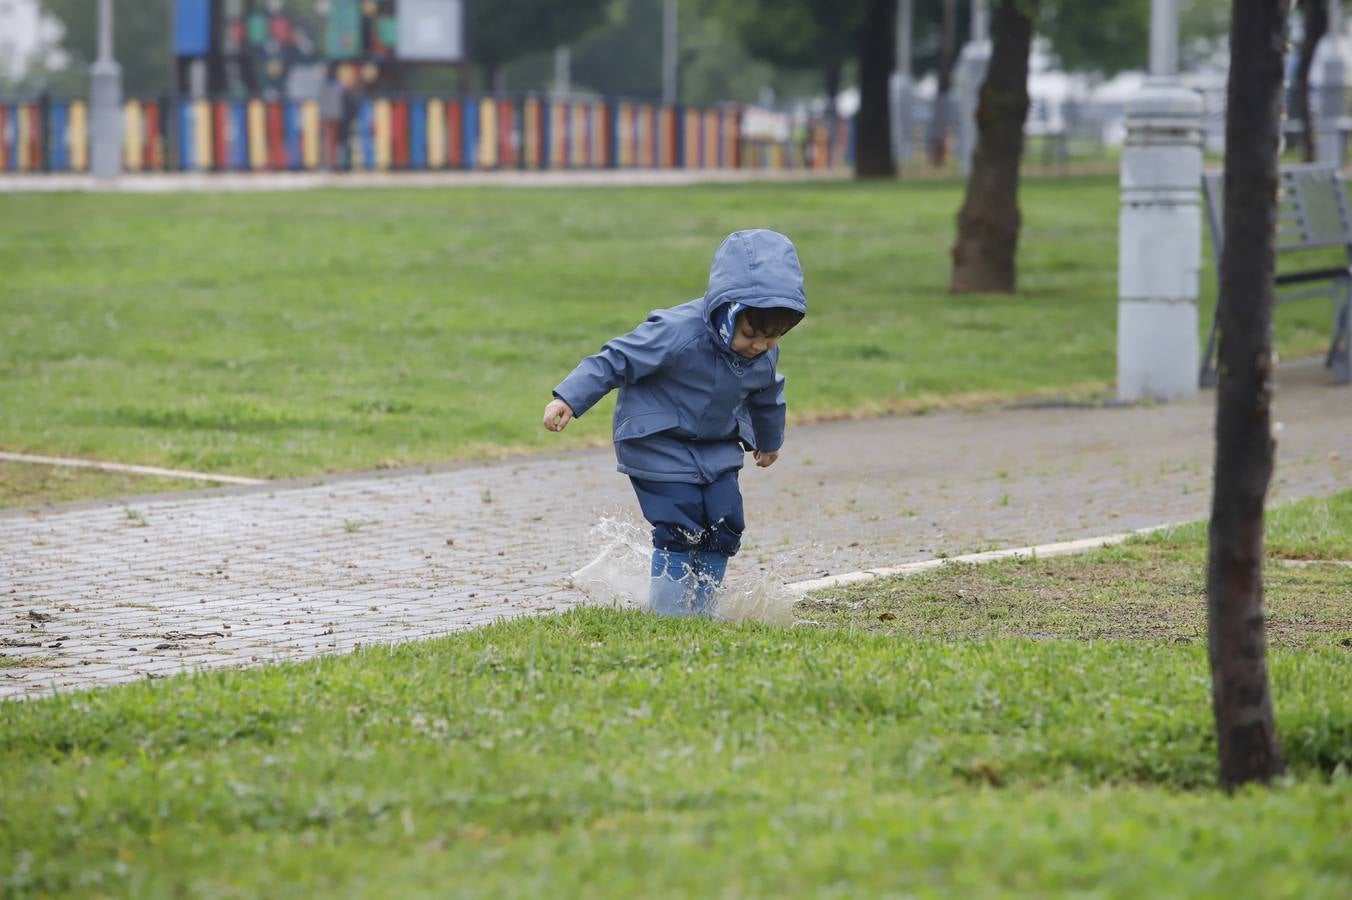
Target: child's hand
x,y
557,415
765,460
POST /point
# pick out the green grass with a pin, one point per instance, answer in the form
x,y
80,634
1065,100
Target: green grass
x,y
621,754
285,334
25,483
601,753
1150,587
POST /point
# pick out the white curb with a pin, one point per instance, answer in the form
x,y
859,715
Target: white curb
x,y
123,467
1063,548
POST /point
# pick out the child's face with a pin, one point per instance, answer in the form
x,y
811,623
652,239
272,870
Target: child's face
x,y
749,343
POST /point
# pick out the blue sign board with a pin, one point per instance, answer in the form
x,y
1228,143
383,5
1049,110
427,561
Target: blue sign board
x,y
192,27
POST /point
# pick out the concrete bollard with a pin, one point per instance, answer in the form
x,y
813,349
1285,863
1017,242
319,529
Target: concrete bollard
x,y
1159,244
105,103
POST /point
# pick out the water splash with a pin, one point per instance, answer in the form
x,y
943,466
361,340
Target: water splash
x,y
619,574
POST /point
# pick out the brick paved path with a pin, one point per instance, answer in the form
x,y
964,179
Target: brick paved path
x,y
116,592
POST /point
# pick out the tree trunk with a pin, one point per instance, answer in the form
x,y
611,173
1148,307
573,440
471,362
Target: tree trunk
x,y
873,144
1314,16
988,224
938,130
1246,735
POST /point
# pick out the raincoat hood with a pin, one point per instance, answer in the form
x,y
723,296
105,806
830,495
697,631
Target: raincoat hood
x,y
758,268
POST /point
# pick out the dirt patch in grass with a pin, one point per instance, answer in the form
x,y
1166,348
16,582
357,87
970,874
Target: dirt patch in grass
x,y
1133,593
28,484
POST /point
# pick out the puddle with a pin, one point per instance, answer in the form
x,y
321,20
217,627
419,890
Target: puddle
x,y
619,573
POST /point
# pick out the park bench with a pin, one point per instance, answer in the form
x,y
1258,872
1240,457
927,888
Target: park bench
x,y
1312,215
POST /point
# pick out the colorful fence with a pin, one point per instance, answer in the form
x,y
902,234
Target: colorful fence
x,y
409,133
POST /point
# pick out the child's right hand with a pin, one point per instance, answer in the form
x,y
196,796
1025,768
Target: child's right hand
x,y
557,415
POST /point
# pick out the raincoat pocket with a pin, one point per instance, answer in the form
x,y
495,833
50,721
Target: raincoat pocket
x,y
646,424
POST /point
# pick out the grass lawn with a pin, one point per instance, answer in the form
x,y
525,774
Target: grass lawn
x,y
284,334
23,483
601,753
1150,587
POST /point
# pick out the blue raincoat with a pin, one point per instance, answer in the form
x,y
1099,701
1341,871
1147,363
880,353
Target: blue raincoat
x,y
689,407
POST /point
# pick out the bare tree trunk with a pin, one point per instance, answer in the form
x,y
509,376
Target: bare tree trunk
x,y
1315,19
988,224
948,53
873,147
1246,734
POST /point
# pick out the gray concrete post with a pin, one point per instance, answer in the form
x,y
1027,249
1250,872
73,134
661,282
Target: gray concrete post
x,y
1332,71
903,88
563,70
1160,227
971,72
105,102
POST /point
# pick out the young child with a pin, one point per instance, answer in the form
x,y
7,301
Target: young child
x,y
698,384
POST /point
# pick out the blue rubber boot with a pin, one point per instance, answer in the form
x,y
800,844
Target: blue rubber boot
x,y
673,583
709,571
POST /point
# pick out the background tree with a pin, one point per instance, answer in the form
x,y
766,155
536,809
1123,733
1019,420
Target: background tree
x,y
1314,18
1114,35
1246,734
814,35
505,30
877,56
140,42
1105,37
988,223
1102,37
821,35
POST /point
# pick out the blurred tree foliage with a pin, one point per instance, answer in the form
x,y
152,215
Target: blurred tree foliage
x,y
502,31
730,49
140,42
505,30
623,57
1114,35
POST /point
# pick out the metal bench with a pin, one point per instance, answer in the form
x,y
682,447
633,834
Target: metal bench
x,y
1312,214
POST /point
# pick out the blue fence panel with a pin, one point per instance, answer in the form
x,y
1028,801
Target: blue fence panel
x,y
187,152
291,124
417,134
239,136
471,128
58,138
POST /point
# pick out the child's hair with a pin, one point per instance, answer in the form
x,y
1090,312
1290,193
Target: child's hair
x,y
772,321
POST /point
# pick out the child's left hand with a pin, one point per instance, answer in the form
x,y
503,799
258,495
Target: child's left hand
x,y
765,460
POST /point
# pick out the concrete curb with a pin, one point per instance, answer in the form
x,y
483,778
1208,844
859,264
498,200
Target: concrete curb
x,y
1063,548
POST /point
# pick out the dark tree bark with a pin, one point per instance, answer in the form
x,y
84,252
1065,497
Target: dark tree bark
x,y
948,52
1246,733
873,147
988,223
1314,16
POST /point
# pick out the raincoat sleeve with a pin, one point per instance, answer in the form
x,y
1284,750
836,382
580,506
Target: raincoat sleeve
x,y
623,360
767,415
